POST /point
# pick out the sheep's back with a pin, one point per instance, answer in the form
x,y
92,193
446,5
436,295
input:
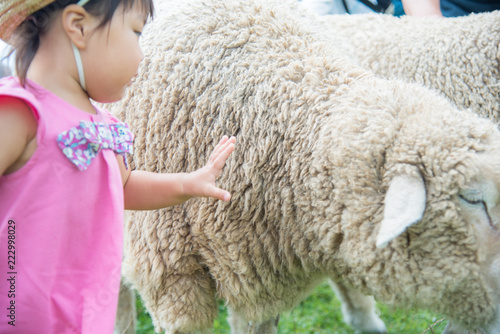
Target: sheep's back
x,y
459,57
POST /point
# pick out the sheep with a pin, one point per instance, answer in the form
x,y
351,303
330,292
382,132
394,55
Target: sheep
x,y
458,56
126,314
381,185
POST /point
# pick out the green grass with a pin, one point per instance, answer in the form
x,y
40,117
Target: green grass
x,y
320,314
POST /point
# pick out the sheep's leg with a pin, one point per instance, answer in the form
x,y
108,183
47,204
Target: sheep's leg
x,y
358,310
237,323
176,289
266,327
241,326
451,328
126,313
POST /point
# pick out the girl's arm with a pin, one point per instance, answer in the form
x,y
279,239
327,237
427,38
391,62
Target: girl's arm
x,y
422,8
149,191
17,130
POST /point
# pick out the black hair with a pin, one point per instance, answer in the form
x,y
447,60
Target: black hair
x,y
26,40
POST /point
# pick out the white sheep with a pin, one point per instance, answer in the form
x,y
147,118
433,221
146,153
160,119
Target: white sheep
x,y
331,162
459,56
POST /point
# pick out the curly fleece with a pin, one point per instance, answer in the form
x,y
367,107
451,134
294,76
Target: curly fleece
x,y
458,56
319,139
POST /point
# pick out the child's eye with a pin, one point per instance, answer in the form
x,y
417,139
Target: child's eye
x,y
138,33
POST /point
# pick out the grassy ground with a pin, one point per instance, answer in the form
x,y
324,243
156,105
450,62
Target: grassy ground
x,y
320,314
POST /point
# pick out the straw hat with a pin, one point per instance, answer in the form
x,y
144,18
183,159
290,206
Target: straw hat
x,y
14,12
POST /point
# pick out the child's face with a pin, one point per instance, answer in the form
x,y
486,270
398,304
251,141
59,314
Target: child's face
x,y
112,56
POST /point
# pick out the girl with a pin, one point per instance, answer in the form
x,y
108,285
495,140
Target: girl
x,y
64,181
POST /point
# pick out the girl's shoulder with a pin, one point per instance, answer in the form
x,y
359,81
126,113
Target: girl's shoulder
x,y
11,89
15,99
18,128
17,114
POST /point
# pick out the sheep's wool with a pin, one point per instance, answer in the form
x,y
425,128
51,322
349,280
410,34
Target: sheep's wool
x,y
458,56
318,140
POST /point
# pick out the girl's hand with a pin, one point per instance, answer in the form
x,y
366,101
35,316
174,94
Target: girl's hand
x,y
201,183
151,191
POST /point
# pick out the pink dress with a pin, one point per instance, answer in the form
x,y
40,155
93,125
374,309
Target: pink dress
x,y
60,229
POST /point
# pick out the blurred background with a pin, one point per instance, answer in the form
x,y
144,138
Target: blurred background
x,y
5,64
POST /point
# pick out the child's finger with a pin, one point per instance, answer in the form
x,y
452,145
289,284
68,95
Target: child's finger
x,y
220,194
220,160
218,148
221,148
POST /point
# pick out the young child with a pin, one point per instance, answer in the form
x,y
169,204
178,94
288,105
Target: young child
x,y
64,181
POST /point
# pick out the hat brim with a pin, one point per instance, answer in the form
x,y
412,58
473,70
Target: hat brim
x,y
14,12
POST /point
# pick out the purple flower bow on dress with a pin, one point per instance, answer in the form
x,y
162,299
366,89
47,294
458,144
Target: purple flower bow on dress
x,y
82,143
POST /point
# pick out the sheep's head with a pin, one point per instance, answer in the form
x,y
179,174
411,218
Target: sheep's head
x,y
480,205
413,205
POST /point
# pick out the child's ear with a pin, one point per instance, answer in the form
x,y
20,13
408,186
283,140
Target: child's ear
x,y
77,24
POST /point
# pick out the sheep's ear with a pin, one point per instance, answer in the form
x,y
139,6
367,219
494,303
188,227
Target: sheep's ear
x,y
404,206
